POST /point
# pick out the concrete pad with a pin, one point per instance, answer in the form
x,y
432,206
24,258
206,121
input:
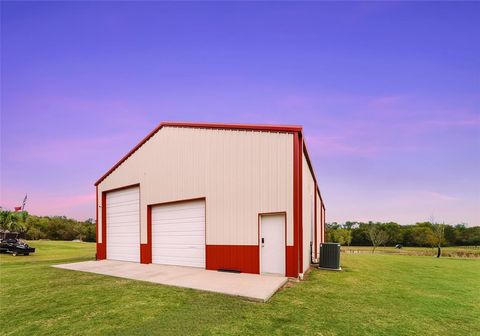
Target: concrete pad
x,y
252,286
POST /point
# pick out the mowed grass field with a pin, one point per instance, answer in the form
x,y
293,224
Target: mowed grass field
x,y
379,294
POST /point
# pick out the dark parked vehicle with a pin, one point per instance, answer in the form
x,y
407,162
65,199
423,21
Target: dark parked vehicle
x,y
11,244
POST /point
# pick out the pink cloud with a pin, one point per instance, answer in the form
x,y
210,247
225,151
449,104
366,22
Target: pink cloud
x,y
432,196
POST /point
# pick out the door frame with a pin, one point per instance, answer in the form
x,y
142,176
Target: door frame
x,y
149,224
260,214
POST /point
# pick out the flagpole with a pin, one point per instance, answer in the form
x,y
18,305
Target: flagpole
x,y
24,202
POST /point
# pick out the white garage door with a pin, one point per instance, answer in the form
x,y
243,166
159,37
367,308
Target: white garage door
x,y
178,234
123,224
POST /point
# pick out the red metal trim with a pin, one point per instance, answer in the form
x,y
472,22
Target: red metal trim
x,y
96,222
180,201
252,127
284,213
146,249
133,150
103,247
316,222
99,246
205,233
292,265
310,166
297,263
300,202
122,188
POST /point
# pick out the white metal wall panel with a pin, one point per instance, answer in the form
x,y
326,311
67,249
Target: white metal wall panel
x,y
178,234
308,185
123,224
241,174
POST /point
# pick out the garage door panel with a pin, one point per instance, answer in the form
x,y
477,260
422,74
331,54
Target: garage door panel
x,y
116,202
178,239
185,213
178,234
197,229
125,208
182,252
124,235
180,206
173,221
121,220
123,224
173,216
181,260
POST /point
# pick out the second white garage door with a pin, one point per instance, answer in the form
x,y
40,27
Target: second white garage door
x,y
178,234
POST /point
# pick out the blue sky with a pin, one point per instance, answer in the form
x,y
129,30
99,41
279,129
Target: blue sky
x,y
388,94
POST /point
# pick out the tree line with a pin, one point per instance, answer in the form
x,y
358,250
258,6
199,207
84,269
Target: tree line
x,y
426,234
44,227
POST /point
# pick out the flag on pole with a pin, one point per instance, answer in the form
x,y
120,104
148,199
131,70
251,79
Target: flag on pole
x,y
24,202
18,209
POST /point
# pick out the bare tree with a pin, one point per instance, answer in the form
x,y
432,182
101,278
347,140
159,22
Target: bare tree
x,y
377,236
383,237
439,233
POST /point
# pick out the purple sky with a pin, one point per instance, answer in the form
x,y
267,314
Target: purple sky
x,y
388,94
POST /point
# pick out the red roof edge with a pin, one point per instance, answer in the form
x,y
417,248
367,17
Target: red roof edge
x,y
251,127
310,165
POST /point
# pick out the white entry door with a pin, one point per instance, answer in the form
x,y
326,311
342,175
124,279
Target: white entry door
x,y
178,234
272,244
123,224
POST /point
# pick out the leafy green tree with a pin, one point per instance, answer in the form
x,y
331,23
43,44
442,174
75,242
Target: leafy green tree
x,y
341,236
423,236
350,225
450,236
394,231
12,221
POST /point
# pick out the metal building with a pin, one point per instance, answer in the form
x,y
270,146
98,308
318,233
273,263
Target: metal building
x,y
216,196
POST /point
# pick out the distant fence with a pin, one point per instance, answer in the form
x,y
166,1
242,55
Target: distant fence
x,y
449,251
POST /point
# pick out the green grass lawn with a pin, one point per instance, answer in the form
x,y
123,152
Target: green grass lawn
x,y
380,294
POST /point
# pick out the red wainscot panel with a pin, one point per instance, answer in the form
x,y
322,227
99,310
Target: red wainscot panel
x,y
145,253
243,258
